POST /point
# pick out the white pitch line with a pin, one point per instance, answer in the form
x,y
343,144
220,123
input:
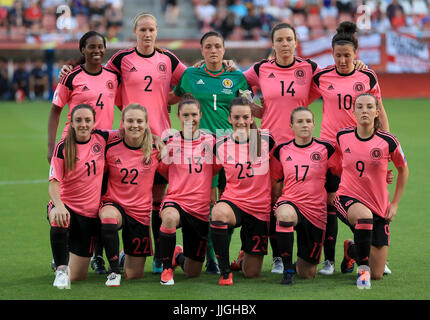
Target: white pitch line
x,y
6,183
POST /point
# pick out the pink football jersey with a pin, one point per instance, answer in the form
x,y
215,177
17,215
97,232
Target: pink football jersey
x,y
147,79
283,89
98,90
80,189
248,178
189,169
304,170
130,179
339,92
365,165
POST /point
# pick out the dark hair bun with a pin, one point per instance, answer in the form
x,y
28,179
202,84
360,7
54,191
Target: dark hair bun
x,y
347,27
187,96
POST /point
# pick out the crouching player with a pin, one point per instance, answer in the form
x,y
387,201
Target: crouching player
x,y
131,162
75,185
362,200
303,165
245,201
188,166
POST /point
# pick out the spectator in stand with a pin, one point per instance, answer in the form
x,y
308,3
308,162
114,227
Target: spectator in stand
x,y
329,9
172,12
4,80
221,14
391,9
227,25
380,21
80,7
50,5
21,79
33,14
252,25
298,6
239,9
398,20
112,34
273,9
266,21
3,18
16,14
113,16
345,6
285,13
261,3
39,84
205,13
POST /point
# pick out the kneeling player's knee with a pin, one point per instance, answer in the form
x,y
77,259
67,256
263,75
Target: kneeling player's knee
x,y
170,219
377,276
218,214
250,274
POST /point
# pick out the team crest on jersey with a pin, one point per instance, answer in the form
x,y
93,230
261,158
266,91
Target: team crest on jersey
x,y
147,164
316,156
96,148
376,153
227,83
359,87
109,84
162,67
300,73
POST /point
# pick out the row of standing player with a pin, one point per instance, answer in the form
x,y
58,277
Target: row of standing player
x,y
284,66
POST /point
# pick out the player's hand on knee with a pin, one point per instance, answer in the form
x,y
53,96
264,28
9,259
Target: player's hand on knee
x,y
60,216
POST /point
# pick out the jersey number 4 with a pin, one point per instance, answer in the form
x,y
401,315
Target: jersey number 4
x,y
99,102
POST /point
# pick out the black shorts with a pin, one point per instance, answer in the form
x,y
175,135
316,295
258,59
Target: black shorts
x,y
194,233
159,179
381,226
219,181
254,232
136,237
310,238
83,232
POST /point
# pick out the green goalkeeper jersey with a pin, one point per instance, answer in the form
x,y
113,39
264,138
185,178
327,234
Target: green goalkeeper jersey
x,y
214,90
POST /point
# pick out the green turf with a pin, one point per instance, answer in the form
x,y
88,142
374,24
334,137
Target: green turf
x,y
25,253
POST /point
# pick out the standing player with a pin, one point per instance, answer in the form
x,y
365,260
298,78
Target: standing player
x,y
214,88
303,164
246,198
339,85
362,200
189,168
89,83
285,82
75,182
131,163
147,73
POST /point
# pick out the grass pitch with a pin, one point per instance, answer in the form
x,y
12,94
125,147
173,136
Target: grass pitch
x,y
25,253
